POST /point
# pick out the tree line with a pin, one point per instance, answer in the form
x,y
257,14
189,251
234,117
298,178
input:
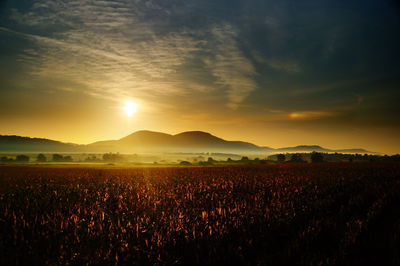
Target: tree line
x,y
107,157
40,158
314,157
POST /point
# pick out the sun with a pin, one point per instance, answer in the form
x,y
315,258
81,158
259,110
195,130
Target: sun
x,y
130,108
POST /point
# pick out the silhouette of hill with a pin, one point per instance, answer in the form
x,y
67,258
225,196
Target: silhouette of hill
x,y
304,148
27,144
191,141
156,142
316,148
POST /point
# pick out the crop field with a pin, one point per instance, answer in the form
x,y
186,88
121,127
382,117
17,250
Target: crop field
x,y
308,214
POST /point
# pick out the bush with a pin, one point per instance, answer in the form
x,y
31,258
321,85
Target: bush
x,y
41,158
22,158
317,157
112,157
60,158
281,158
297,158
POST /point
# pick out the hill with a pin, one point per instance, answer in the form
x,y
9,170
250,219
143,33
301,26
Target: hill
x,y
191,141
156,142
25,144
316,148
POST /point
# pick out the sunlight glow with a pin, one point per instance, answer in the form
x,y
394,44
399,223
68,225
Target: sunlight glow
x,y
130,108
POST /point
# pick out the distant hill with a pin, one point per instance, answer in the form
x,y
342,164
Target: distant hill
x,y
353,151
191,141
316,148
26,144
304,148
156,142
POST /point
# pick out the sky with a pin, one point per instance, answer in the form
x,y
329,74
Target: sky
x,y
275,73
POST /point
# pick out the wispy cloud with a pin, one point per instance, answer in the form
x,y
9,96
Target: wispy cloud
x,y
285,65
106,49
231,68
109,50
340,84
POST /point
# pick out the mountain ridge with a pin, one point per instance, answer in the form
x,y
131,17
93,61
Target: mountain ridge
x,y
145,141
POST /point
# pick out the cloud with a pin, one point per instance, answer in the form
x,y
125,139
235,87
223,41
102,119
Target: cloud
x,y
339,84
289,66
312,115
158,49
111,50
232,69
107,49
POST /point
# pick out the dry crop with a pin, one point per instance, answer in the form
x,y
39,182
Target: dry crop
x,y
248,215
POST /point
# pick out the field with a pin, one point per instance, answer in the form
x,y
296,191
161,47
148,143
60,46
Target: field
x,y
308,214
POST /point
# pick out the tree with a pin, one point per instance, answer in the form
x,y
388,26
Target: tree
x,y
206,163
317,157
297,158
41,158
5,159
57,158
67,159
112,157
92,158
60,158
22,158
281,158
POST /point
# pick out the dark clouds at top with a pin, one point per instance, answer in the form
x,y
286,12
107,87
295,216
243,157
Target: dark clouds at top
x,y
310,57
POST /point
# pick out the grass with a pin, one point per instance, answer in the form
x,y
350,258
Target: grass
x,y
324,214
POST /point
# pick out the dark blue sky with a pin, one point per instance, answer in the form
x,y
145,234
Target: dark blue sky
x,y
285,72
